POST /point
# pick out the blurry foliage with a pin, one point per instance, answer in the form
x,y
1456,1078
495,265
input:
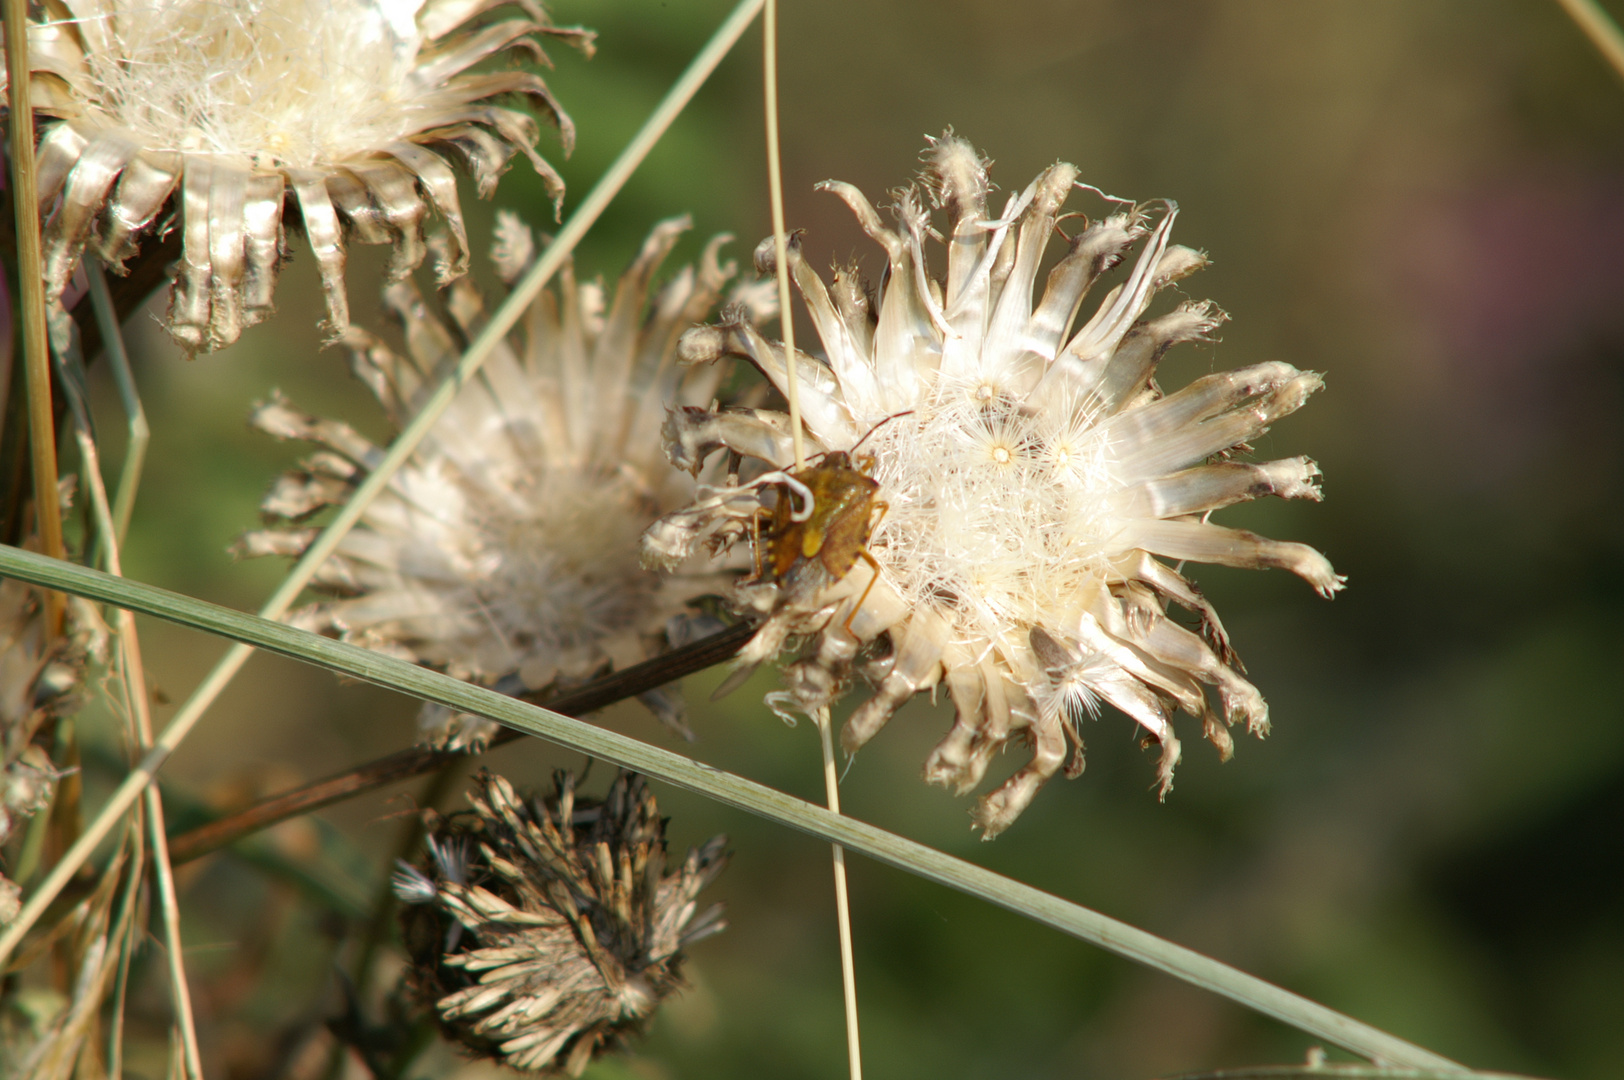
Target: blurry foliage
x,y
1421,201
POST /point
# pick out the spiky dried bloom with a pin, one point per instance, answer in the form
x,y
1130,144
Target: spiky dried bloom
x,y
227,109
507,547
40,680
1033,477
543,933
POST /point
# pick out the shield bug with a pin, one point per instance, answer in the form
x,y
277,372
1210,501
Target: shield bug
x,y
796,546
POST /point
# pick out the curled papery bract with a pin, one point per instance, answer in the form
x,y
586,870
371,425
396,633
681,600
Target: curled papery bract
x,y
505,551
1035,481
226,112
561,930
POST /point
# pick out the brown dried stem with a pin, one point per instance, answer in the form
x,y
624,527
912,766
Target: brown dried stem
x,y
416,761
31,287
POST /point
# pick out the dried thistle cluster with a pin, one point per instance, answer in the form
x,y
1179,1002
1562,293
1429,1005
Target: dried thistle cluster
x,y
507,548
210,115
543,932
1034,476
994,501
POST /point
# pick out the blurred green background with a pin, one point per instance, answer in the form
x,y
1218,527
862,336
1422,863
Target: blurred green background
x,y
1424,202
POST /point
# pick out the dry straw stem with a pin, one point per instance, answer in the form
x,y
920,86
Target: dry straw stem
x,y
734,791
786,322
31,284
135,697
1600,28
524,291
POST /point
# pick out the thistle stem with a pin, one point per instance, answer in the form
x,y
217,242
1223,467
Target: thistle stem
x,y
31,287
417,760
502,320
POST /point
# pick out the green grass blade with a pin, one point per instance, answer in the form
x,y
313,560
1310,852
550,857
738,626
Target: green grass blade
x,y
735,791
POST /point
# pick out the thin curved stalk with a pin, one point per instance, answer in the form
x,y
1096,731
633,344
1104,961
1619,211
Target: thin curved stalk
x,y
118,359
502,320
1600,28
135,697
730,790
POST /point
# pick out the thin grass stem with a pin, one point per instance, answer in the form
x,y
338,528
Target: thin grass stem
x,y
907,855
848,966
135,696
118,359
1600,28
502,320
786,322
775,189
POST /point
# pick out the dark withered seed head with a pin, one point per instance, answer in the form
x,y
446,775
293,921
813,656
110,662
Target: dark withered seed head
x,y
565,930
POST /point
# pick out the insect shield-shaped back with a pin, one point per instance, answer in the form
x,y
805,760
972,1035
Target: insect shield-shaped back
x,y
832,532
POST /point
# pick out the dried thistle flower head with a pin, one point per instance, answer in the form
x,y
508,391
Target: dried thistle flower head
x,y
233,107
1035,478
39,681
543,933
507,547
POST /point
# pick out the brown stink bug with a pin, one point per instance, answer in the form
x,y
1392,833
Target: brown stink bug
x,y
821,523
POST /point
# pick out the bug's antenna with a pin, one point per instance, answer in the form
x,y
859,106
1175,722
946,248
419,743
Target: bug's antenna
x,y
876,427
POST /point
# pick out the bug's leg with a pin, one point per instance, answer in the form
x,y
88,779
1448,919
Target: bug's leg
x,y
755,547
863,554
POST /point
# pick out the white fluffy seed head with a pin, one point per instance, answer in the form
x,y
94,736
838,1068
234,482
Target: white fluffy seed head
x,y
213,115
295,83
1034,477
507,547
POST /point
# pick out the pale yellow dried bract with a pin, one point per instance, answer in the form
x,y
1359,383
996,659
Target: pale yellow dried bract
x,y
229,111
1036,477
